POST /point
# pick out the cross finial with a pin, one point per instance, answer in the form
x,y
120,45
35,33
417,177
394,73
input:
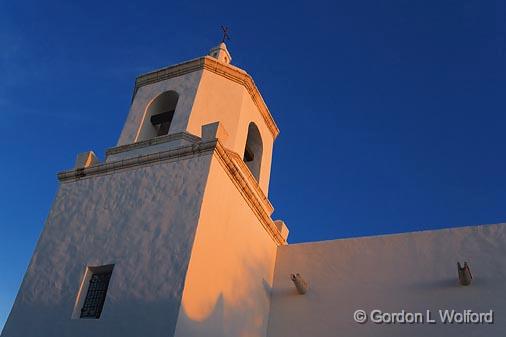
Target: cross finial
x,y
225,33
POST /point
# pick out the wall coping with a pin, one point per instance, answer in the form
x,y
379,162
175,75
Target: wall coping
x,y
153,141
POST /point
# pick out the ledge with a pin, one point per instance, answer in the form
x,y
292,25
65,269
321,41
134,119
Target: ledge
x,y
251,180
153,141
257,205
181,152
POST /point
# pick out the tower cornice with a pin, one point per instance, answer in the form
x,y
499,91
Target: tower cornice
x,y
258,203
219,68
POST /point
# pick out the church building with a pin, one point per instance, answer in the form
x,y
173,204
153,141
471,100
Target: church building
x,y
172,235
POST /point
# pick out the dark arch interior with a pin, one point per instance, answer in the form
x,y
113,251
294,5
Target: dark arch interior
x,y
159,115
253,150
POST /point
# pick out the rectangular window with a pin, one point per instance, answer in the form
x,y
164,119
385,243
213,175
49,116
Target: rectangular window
x,y
99,278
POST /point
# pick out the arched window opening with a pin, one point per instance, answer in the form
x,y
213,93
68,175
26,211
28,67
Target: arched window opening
x,y
253,150
159,115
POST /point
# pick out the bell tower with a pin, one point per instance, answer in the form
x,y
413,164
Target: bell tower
x,y
171,234
189,95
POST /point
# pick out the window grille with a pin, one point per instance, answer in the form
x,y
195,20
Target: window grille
x,y
95,296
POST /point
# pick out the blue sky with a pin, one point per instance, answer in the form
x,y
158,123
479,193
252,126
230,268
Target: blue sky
x,y
392,113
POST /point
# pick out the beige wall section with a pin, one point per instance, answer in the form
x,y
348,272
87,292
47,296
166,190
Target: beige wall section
x,y
143,221
217,99
415,272
221,99
227,287
249,114
185,85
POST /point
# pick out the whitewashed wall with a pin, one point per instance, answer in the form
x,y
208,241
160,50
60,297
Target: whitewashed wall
x,y
220,99
205,97
186,86
227,289
142,220
415,272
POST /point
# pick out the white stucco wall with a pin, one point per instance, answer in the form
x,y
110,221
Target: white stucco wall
x,y
221,99
143,220
414,271
227,288
217,99
249,114
185,85
205,97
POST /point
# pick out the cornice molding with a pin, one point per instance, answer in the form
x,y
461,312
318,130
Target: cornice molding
x,y
251,180
153,141
225,70
245,188
106,168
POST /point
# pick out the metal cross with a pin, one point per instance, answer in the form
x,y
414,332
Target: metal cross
x,y
225,33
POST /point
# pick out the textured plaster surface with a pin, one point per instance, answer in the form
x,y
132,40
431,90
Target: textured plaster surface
x,y
220,99
251,114
414,271
185,85
204,98
227,288
151,149
141,220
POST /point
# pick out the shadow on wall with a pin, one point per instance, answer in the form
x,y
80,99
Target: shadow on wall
x,y
54,320
218,322
236,307
211,326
